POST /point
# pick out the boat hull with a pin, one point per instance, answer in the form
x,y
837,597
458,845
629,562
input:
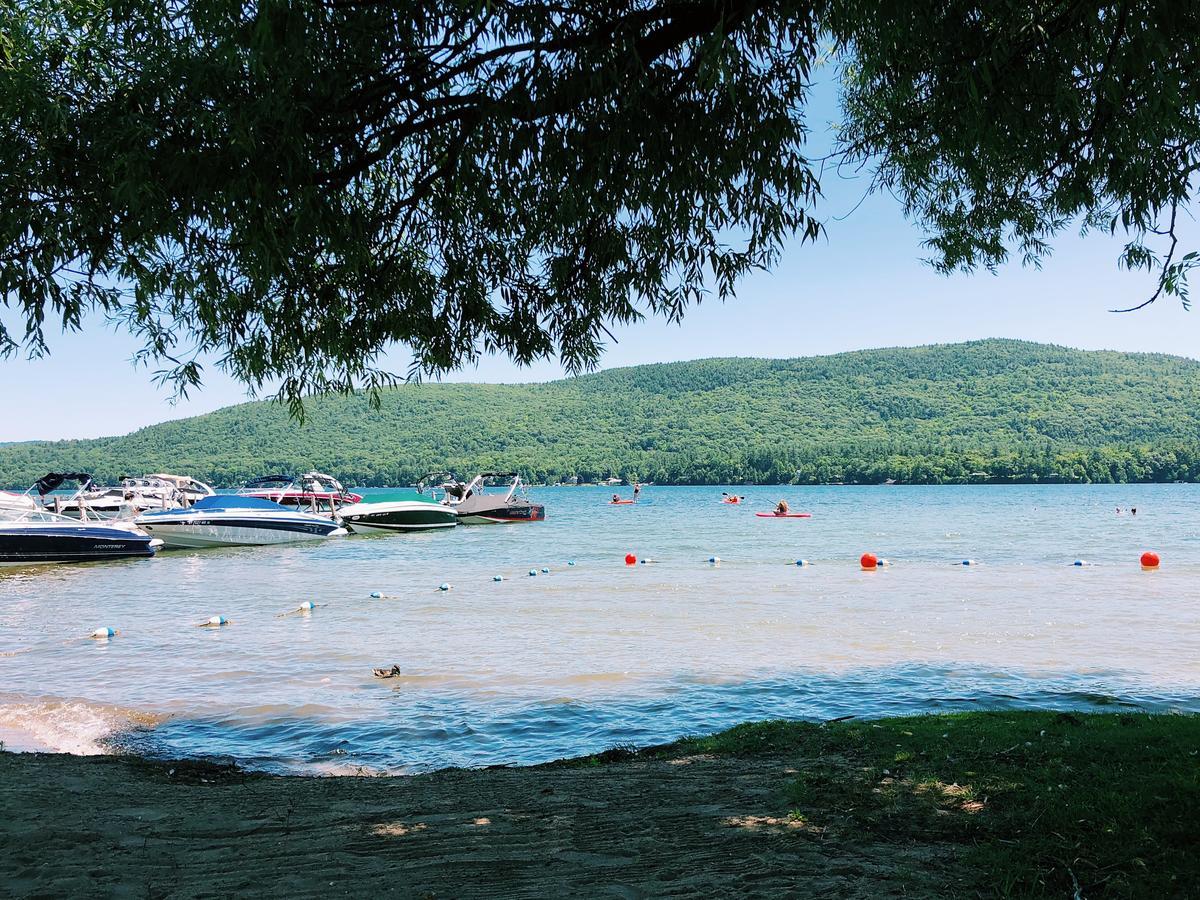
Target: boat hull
x,y
382,518
27,545
502,514
203,532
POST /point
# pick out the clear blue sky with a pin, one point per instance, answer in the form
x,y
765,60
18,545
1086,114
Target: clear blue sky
x,y
862,286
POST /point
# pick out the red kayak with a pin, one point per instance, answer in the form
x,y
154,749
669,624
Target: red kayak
x,y
790,515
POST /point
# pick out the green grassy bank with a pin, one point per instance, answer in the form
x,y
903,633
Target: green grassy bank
x,y
1058,804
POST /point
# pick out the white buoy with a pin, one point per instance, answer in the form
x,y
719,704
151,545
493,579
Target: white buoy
x,y
545,571
306,607
532,573
444,586
103,633
497,578
376,595
571,562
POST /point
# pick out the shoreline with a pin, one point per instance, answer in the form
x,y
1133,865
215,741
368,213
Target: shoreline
x,y
1029,802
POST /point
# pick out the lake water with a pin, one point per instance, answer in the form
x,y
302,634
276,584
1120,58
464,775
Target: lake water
x,y
599,654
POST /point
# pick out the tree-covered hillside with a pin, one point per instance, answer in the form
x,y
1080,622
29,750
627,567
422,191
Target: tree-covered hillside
x,y
1012,410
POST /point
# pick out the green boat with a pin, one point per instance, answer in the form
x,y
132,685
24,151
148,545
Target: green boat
x,y
396,511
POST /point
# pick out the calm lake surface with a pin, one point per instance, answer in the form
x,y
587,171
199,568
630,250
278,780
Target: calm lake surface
x,y
599,654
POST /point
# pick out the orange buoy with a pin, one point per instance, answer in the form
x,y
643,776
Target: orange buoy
x,y
630,559
1150,560
869,561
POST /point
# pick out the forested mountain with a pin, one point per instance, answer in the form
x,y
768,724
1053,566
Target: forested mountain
x,y
1009,409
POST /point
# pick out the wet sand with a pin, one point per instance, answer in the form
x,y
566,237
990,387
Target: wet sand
x,y
679,826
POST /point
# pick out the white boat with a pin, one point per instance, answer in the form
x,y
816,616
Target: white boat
x,y
231,520
137,495
186,490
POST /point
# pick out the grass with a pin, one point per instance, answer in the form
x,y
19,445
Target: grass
x,y
1040,803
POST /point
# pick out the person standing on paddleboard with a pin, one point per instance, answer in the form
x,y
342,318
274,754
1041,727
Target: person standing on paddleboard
x,y
637,489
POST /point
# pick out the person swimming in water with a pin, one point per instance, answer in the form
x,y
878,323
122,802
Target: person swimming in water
x,y
781,508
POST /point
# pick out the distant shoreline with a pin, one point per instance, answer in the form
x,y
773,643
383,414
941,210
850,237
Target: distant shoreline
x,y
764,484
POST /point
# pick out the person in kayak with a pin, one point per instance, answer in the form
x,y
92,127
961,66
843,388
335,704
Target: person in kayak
x,y
781,508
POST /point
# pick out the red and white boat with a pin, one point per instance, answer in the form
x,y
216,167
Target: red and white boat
x,y
312,490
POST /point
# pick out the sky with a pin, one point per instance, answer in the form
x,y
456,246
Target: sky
x,y
860,286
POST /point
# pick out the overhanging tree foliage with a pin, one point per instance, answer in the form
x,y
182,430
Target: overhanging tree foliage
x,y
292,186
1000,123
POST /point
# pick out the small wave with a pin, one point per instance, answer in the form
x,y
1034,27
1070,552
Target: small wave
x,y
68,726
598,678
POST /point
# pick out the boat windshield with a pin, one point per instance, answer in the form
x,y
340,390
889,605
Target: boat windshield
x,y
316,482
27,516
269,485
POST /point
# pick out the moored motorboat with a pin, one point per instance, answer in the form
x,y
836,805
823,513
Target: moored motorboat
x,y
187,490
233,520
397,511
136,495
314,491
32,536
39,537
474,506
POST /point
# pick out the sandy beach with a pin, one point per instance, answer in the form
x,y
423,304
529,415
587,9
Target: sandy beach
x,y
977,804
684,826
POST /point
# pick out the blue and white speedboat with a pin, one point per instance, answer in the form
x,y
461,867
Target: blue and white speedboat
x,y
31,536
231,520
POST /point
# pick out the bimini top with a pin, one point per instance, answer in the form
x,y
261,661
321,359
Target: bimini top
x,y
52,481
269,479
223,501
